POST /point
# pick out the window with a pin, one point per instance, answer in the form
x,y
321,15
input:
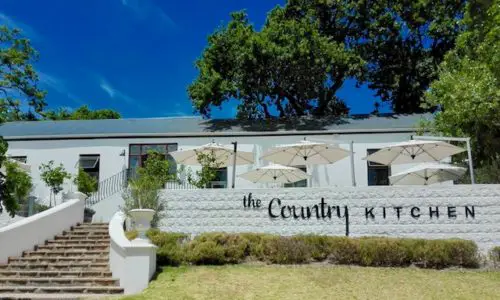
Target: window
x,y
220,180
22,159
90,164
301,183
138,154
378,174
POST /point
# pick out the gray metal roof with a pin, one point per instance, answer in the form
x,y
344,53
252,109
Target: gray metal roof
x,y
196,126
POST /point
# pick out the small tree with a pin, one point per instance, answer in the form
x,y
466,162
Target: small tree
x,y
85,183
208,173
54,178
18,184
143,191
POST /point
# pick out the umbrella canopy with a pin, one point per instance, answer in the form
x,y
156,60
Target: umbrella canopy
x,y
304,153
275,174
222,153
427,173
414,152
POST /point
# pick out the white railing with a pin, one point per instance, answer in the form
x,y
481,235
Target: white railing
x,y
132,263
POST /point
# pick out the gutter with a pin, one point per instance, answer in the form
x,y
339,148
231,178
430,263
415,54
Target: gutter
x,y
203,134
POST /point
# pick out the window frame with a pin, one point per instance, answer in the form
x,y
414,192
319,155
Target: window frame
x,y
141,155
293,184
19,158
376,166
92,171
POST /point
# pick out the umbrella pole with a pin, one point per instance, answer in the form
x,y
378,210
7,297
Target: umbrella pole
x,y
353,176
234,162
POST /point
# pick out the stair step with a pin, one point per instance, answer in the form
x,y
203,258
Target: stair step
x,y
62,289
68,266
82,237
58,296
61,274
78,242
56,281
55,259
86,232
62,247
64,252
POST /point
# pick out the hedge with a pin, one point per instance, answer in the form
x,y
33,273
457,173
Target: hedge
x,y
223,248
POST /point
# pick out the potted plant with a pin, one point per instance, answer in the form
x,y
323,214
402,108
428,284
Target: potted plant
x,y
143,203
87,185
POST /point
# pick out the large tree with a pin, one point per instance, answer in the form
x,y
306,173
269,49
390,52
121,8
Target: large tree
x,y
403,42
306,50
18,89
468,89
286,69
18,78
81,113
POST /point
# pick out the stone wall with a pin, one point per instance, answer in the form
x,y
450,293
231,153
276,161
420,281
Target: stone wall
x,y
460,211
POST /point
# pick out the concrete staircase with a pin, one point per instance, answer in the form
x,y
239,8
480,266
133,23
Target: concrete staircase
x,y
73,265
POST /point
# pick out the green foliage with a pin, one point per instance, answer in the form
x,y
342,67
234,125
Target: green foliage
x,y
18,78
54,177
208,173
17,186
226,248
217,248
286,250
495,256
81,113
85,183
143,191
301,57
287,66
468,89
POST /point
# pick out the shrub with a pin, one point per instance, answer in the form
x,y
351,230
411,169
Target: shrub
x,y
383,252
345,251
320,246
222,248
234,246
286,250
495,255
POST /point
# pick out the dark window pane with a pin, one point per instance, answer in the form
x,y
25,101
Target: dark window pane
x,y
135,150
171,147
172,165
378,174
22,159
89,161
300,183
156,148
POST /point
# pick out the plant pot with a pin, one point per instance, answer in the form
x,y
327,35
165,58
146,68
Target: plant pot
x,y
142,222
87,215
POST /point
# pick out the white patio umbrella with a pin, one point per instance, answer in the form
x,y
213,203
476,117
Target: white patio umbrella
x,y
414,152
427,173
222,153
305,153
275,174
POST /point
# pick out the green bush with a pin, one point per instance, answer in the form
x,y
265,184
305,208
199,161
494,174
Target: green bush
x,y
208,246
495,255
345,251
223,248
286,250
378,252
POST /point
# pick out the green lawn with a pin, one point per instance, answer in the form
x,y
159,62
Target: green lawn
x,y
320,282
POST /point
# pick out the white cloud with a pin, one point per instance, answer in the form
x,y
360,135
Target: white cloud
x,y
113,93
57,84
26,30
147,10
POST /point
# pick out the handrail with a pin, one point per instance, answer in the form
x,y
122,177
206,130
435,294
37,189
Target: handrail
x,y
109,187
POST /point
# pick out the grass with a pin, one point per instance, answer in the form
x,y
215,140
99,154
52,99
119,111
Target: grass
x,y
319,282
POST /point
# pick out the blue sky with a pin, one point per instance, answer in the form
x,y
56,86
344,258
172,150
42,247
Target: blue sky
x,y
134,56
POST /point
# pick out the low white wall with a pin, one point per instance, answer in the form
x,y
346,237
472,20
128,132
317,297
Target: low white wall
x,y
35,230
133,264
106,208
465,211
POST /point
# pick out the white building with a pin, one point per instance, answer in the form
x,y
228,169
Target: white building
x,y
105,148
